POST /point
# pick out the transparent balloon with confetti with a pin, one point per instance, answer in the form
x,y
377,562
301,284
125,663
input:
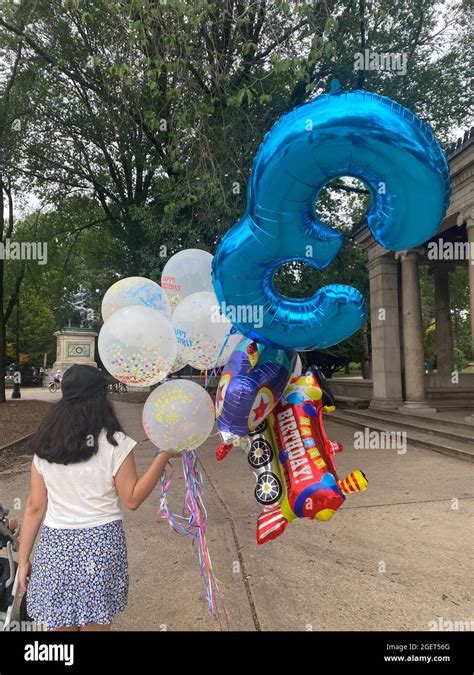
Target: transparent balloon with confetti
x,y
135,291
203,332
185,273
138,346
178,415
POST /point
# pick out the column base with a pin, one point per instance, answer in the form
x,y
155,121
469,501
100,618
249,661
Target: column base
x,y
385,403
469,419
417,408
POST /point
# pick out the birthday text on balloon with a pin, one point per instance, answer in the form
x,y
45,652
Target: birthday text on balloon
x,y
298,462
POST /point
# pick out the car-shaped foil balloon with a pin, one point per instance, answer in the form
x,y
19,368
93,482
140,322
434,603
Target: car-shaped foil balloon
x,y
294,461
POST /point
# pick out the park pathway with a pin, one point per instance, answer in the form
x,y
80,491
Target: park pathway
x,y
396,557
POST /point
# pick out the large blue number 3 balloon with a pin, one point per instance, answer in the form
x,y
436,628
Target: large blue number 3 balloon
x,y
352,133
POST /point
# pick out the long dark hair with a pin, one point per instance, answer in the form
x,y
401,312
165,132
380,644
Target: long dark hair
x,y
69,434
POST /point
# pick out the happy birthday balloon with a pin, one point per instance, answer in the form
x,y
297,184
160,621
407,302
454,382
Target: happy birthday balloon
x,y
178,415
137,346
201,331
135,291
187,272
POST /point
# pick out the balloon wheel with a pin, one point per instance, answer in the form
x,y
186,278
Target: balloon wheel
x,y
260,453
259,429
268,489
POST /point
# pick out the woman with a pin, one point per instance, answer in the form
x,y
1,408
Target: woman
x,y
83,463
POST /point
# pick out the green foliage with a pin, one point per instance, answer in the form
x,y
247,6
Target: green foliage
x,y
140,120
459,302
79,251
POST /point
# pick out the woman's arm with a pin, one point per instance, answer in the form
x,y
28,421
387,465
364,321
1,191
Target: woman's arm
x,y
34,512
133,490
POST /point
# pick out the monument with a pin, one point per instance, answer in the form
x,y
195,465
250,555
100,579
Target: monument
x,y
76,343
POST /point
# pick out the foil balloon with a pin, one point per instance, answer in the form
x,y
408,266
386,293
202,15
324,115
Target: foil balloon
x,y
178,415
251,384
135,291
203,333
187,272
138,346
353,133
294,462
298,367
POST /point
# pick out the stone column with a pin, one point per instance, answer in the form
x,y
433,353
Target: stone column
x,y
413,348
385,332
444,326
467,216
469,219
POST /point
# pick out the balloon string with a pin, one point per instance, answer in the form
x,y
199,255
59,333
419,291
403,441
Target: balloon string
x,y
193,522
216,368
193,519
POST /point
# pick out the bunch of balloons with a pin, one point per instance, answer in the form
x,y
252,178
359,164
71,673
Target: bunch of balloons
x,y
152,331
226,312
258,405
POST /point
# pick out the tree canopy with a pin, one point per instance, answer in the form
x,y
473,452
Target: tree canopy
x,y
134,122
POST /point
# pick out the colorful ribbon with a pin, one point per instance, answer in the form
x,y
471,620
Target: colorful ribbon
x,y
193,520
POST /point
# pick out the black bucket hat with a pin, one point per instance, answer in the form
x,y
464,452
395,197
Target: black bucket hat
x,y
81,382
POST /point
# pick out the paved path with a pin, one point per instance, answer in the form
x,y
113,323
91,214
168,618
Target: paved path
x,y
393,558
36,393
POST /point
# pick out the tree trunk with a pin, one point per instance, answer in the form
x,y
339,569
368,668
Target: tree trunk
x,y
3,342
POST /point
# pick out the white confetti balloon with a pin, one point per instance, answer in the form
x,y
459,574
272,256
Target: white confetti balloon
x,y
201,331
179,362
185,273
138,346
178,415
135,291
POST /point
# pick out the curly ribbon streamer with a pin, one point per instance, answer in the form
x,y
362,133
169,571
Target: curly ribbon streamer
x,y
193,521
195,524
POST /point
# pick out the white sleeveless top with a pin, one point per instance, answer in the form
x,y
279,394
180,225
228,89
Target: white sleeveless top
x,y
84,494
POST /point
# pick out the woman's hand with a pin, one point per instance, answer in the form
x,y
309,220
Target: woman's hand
x,y
133,490
24,571
170,455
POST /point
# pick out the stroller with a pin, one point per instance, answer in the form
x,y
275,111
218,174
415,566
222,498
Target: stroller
x,y
9,539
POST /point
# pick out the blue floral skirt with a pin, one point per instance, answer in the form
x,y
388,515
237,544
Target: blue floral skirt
x,y
78,576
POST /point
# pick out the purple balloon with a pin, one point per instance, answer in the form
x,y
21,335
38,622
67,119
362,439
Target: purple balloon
x,y
247,393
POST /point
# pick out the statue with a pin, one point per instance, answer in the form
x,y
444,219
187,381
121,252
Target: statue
x,y
82,316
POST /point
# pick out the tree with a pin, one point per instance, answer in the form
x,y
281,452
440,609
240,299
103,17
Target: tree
x,y
78,253
155,110
139,80
12,108
459,302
